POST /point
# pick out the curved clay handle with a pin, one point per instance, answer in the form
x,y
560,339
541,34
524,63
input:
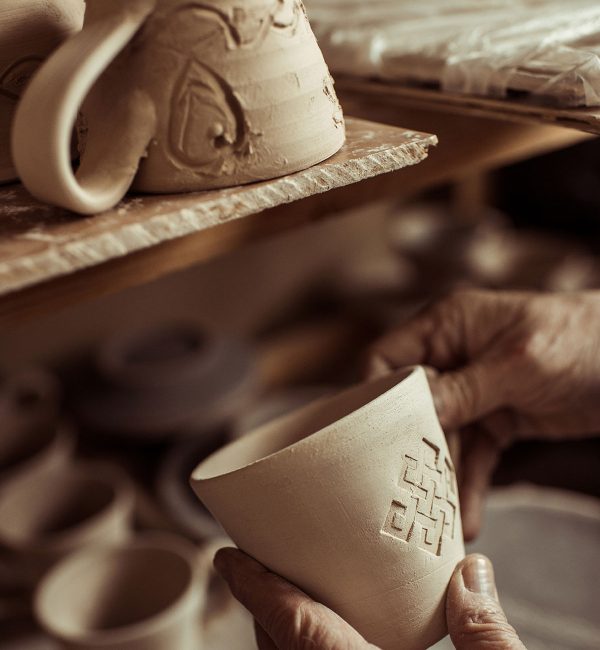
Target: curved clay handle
x,y
44,122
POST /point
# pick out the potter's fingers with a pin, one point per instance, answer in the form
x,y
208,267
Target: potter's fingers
x,y
466,395
288,616
376,366
263,640
265,595
476,620
405,346
444,334
478,464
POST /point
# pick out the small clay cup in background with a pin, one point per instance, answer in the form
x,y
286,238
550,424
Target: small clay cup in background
x,y
32,438
173,380
363,514
53,514
147,594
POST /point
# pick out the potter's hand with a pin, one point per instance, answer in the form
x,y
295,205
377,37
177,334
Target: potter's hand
x,y
516,365
286,618
475,618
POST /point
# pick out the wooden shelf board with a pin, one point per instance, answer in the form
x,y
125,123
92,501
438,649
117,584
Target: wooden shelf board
x,y
39,243
580,119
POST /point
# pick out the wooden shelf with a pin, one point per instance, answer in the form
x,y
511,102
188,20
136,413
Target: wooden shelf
x,y
579,119
50,257
476,136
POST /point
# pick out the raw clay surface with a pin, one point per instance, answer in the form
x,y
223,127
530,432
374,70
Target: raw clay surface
x,y
29,31
363,514
210,94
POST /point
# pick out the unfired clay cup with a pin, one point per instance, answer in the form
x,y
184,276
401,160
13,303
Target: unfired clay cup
x,y
33,439
29,31
353,499
148,594
180,95
44,518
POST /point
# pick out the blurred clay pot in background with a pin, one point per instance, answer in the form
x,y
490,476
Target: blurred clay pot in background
x,y
173,381
175,495
32,437
45,518
147,594
489,252
276,405
30,30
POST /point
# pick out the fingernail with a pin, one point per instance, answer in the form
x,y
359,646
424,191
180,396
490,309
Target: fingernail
x,y
438,402
478,576
377,367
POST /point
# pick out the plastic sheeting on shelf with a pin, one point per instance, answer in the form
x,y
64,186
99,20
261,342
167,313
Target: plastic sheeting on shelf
x,y
548,50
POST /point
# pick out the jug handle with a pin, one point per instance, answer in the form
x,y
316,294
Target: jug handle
x,y
46,116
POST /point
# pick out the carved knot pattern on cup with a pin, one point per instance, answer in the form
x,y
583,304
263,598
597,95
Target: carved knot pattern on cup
x,y
425,512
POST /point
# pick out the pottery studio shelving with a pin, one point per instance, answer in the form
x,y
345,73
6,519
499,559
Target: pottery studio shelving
x,y
51,258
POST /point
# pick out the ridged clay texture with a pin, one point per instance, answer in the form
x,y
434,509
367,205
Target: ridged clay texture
x,y
181,96
30,30
363,514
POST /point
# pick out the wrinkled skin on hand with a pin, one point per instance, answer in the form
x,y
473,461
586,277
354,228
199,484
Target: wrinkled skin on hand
x,y
287,619
503,367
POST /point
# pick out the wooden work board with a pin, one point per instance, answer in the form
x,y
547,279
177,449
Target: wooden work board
x,y
50,257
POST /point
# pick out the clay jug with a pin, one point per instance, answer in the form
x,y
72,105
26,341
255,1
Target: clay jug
x,y
29,31
179,95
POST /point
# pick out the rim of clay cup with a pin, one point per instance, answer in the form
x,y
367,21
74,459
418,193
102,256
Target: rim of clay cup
x,y
205,473
58,446
64,571
122,499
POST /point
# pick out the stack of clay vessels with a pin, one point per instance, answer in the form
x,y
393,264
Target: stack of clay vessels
x,y
209,96
354,499
68,546
30,30
446,252
166,382
50,503
33,439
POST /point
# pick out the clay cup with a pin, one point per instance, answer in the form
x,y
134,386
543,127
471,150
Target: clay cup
x,y
180,95
147,594
33,438
46,517
354,499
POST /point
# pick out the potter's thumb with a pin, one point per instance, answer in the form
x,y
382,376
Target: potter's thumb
x,y
476,620
465,395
